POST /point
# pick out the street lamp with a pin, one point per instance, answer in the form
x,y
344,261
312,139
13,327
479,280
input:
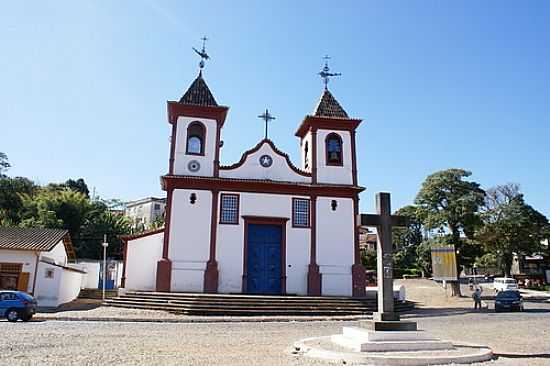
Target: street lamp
x,y
104,245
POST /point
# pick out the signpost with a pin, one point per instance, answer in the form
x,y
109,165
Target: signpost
x,y
444,263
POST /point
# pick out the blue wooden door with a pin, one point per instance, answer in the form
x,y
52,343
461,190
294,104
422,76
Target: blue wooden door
x,y
264,259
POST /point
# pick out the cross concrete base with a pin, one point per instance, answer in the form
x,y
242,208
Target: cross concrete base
x,y
363,340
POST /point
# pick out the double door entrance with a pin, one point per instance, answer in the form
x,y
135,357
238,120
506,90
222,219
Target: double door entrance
x,y
264,262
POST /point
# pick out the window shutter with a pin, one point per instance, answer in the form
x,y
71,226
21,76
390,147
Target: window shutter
x,y
23,281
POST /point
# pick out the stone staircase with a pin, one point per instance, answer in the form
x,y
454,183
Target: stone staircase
x,y
91,293
248,305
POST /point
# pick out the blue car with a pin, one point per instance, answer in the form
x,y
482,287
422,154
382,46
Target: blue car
x,y
508,300
17,305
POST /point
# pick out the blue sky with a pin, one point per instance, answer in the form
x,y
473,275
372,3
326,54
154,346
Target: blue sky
x,y
439,84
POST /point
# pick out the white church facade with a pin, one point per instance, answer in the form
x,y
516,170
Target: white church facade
x,y
261,225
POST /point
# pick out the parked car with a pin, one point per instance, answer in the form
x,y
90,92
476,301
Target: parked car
x,y
508,300
17,305
504,284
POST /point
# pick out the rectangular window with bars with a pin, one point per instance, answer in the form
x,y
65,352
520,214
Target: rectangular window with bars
x,y
300,212
229,208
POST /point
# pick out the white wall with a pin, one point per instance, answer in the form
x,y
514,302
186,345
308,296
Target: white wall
x,y
230,241
335,245
189,247
62,288
27,258
91,278
141,262
57,254
334,174
181,158
278,171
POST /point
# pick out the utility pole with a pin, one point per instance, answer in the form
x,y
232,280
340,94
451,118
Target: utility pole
x,y
105,245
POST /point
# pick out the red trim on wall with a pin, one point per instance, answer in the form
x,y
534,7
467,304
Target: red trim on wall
x,y
167,217
141,235
353,159
170,182
312,123
281,221
314,279
275,149
176,110
314,157
211,273
172,149
217,151
358,274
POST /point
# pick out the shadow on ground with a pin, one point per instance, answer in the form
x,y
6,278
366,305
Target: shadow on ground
x,y
76,305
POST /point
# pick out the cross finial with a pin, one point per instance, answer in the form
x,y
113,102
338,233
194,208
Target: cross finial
x,y
325,72
267,118
202,53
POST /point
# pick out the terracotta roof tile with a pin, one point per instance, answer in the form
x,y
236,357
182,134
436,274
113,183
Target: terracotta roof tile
x,y
199,94
328,106
34,239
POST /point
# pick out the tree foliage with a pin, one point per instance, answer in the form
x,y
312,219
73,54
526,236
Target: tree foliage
x,y
511,226
63,206
4,163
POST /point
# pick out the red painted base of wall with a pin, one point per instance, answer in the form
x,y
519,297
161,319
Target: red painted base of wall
x,y
164,275
313,280
359,280
211,277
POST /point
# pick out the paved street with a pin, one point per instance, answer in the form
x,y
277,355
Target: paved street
x,y
524,337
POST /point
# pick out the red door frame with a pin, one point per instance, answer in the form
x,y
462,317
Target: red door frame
x,y
264,220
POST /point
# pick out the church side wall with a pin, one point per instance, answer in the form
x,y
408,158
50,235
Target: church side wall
x,y
141,262
181,159
334,174
189,246
230,249
335,245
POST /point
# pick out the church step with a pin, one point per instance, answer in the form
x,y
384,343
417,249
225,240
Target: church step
x,y
246,296
91,293
253,301
251,298
207,306
241,311
237,306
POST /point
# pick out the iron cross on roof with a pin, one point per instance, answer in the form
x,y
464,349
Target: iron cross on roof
x,y
266,117
383,220
325,72
202,53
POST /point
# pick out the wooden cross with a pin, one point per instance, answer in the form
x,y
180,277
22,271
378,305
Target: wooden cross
x,y
384,221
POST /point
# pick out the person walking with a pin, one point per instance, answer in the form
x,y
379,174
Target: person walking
x,y
477,298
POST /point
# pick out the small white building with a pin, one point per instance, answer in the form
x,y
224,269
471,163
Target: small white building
x,y
145,211
261,225
36,261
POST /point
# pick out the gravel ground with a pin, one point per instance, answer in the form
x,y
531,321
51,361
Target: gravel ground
x,y
519,338
125,343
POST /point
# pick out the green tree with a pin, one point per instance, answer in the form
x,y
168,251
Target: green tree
x,y
4,164
450,203
407,239
53,208
11,201
511,226
99,222
369,259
